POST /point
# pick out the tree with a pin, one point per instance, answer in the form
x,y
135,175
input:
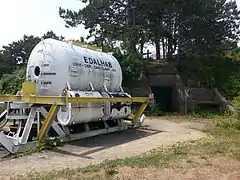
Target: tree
x,y
106,20
13,60
11,83
192,27
5,65
182,28
207,26
51,34
16,54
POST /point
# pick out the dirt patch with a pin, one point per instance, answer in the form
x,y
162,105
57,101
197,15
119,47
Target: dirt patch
x,y
95,150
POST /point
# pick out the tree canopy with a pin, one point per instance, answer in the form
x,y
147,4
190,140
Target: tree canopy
x,y
14,58
184,26
16,54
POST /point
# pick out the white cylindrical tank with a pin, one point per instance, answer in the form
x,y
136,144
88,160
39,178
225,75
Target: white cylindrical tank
x,y
52,64
83,113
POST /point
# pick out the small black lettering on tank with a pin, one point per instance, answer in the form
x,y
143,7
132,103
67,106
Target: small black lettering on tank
x,y
47,82
90,60
94,61
102,62
109,64
85,59
49,74
75,64
88,66
96,67
98,62
106,64
45,65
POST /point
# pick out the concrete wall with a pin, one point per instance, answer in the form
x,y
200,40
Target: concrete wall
x,y
142,87
162,80
174,81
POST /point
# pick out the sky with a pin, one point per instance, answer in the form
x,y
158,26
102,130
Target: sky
x,y
36,17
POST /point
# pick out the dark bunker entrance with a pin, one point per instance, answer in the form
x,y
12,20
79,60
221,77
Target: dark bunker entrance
x,y
163,96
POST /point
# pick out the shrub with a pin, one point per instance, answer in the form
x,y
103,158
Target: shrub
x,y
11,83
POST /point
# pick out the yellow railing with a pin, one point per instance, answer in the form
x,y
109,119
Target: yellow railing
x,y
57,101
61,100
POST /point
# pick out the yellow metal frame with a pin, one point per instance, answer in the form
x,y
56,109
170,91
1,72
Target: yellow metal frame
x,y
47,122
57,101
28,88
61,100
139,112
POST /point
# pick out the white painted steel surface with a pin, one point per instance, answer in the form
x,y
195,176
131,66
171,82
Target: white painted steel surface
x,y
53,63
89,112
81,113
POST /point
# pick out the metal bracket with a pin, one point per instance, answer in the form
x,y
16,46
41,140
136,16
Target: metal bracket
x,y
2,117
28,126
91,86
66,130
8,143
105,87
121,89
68,86
55,125
138,114
48,121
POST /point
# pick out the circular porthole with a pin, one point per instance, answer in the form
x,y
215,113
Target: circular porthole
x,y
37,71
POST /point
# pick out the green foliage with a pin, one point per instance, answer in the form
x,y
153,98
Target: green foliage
x,y
1,109
132,67
104,19
232,86
49,143
203,114
86,45
213,71
234,122
11,83
198,27
52,35
16,54
155,111
1,84
13,61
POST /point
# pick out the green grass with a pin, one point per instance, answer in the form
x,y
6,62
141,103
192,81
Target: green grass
x,y
1,109
223,140
194,117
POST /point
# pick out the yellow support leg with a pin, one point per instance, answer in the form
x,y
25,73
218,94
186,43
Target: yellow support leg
x,y
139,112
48,121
